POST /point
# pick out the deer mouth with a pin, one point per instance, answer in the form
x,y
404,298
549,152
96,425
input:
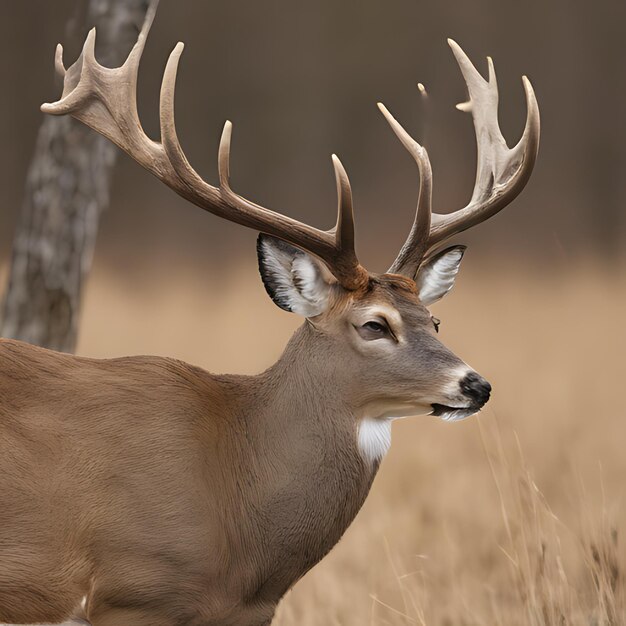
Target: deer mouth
x,y
453,413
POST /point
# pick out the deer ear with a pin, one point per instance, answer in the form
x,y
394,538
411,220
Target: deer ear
x,y
436,275
294,280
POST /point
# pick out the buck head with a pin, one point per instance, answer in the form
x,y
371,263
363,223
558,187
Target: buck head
x,y
385,351
379,323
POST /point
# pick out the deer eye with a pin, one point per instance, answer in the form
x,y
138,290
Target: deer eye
x,y
377,327
373,330
436,323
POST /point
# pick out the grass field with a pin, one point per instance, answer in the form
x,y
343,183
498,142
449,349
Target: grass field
x,y
514,517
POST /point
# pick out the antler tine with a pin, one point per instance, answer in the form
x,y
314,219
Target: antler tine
x,y
58,61
223,155
501,172
344,229
105,100
416,244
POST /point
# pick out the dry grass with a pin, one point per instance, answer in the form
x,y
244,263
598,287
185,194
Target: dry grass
x,y
512,518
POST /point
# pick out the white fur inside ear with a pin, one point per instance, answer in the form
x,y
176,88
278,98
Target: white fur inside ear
x,y
312,287
436,277
295,279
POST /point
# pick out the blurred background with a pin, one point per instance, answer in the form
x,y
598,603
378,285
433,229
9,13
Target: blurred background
x,y
514,517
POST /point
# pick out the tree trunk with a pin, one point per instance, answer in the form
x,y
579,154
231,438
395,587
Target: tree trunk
x,y
67,188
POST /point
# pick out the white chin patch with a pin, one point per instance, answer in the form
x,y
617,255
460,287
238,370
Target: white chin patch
x,y
452,414
374,438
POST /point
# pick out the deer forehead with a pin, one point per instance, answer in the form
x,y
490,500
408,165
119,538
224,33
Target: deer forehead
x,y
394,300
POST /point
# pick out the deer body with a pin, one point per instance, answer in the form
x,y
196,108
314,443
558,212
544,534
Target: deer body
x,y
172,497
163,481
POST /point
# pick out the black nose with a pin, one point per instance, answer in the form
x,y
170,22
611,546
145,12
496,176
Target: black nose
x,y
476,388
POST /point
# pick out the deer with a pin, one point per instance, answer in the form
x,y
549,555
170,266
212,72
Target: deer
x,y
146,491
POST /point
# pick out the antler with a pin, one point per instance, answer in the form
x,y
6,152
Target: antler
x,y
106,100
501,172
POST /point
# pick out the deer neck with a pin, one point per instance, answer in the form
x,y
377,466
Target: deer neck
x,y
302,464
304,402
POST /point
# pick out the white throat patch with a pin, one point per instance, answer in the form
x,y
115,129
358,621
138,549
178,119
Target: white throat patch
x,y
374,438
